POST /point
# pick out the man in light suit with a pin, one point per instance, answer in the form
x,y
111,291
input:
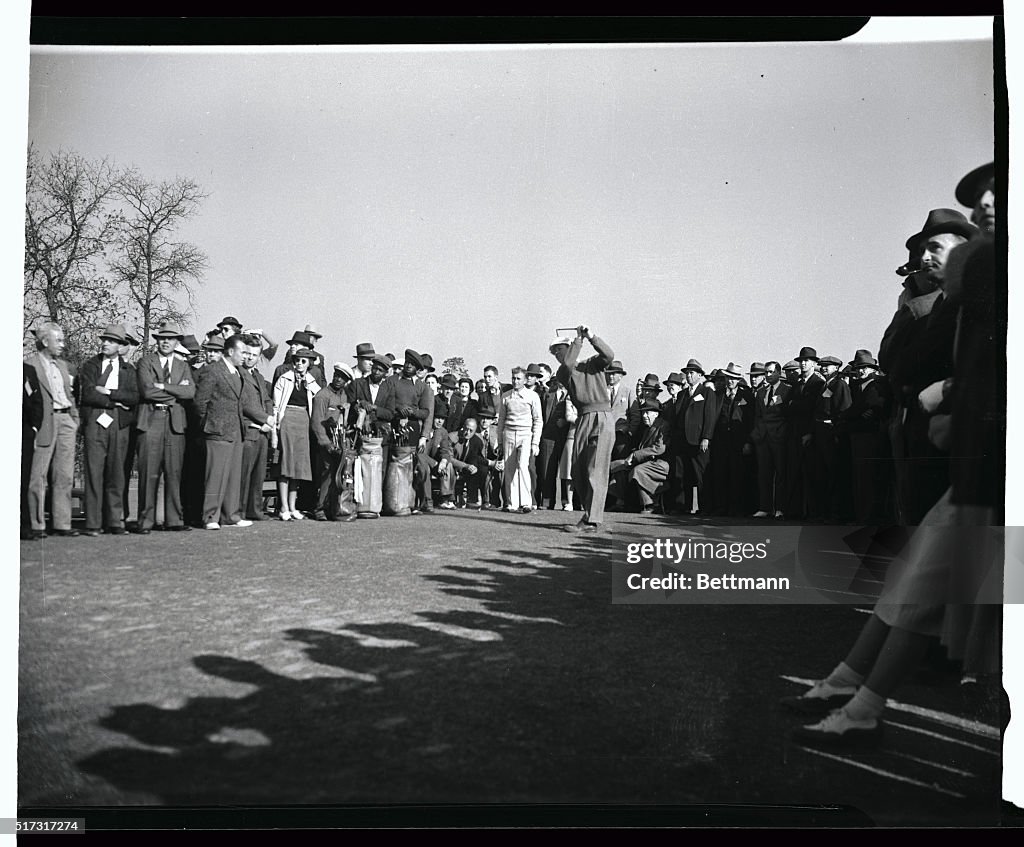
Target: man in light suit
x,y
165,383
51,395
219,404
108,394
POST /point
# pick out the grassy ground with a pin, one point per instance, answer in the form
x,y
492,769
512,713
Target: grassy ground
x,y
456,658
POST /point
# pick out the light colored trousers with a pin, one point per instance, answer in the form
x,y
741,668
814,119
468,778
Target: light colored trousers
x,y
60,452
517,483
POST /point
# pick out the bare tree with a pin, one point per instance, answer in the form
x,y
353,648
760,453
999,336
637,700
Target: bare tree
x,y
68,225
454,365
159,273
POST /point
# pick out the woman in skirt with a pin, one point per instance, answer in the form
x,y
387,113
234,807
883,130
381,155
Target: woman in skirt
x,y
293,405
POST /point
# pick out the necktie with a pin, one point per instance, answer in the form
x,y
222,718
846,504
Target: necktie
x,y
769,395
108,369
167,370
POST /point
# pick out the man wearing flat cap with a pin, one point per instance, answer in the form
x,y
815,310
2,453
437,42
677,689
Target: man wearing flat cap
x,y
595,427
409,404
108,394
693,425
165,385
800,451
643,473
330,421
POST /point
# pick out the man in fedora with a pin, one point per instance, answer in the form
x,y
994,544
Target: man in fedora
x,y
800,450
435,460
692,427
643,472
258,408
553,436
108,394
831,447
916,351
731,442
769,436
622,397
165,385
448,389
595,427
869,408
220,404
365,354
49,394
368,394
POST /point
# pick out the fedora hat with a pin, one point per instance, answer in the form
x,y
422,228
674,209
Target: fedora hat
x,y
214,342
562,339
485,407
806,353
942,220
863,358
191,343
132,336
448,381
428,362
383,361
831,360
300,337
970,188
533,369
169,331
440,408
115,332
615,368
791,365
304,353
229,320
757,369
312,333
732,371
365,351
650,381
674,378
649,404
341,367
694,365
413,358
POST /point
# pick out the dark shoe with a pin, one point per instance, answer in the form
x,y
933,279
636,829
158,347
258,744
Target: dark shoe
x,y
820,699
839,730
590,527
258,517
182,527
35,535
575,527
116,530
142,531
67,533
319,516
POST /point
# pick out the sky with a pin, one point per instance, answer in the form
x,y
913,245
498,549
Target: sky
x,y
724,202
730,203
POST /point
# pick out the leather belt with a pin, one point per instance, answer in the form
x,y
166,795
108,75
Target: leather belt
x,y
66,411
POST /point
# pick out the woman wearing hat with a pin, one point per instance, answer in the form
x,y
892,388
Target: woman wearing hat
x,y
294,391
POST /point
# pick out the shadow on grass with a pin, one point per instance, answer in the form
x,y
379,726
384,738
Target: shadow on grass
x,y
545,693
